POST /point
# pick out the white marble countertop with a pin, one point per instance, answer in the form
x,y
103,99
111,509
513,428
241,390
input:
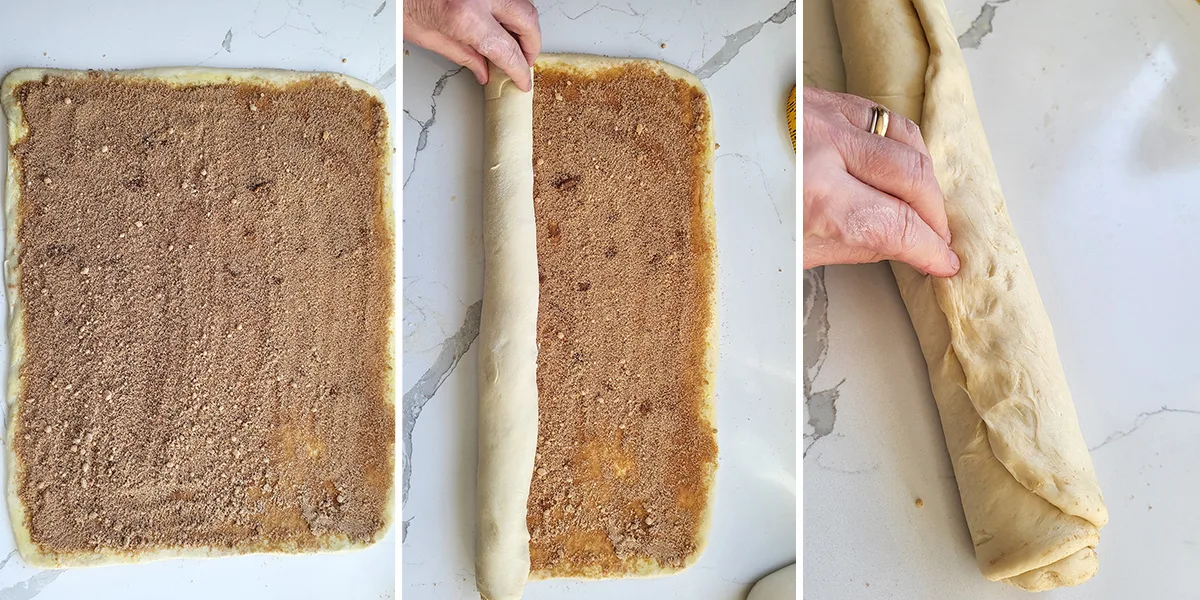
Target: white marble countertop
x,y
356,37
1093,114
745,54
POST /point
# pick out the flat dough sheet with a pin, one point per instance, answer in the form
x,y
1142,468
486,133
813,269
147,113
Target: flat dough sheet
x,y
30,552
508,402
1025,477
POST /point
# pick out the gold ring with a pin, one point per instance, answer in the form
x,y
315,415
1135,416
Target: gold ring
x,y
879,121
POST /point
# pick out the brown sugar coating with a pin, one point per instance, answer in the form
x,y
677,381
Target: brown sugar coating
x,y
206,275
625,450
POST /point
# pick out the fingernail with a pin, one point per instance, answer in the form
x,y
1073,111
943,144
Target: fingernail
x,y
954,263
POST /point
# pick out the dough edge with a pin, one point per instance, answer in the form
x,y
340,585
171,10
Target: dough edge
x,y
30,552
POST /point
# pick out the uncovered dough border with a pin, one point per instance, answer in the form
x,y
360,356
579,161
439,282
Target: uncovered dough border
x,y
176,77
590,65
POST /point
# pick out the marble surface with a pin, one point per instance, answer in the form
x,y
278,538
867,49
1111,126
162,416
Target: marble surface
x,y
356,37
745,54
1093,114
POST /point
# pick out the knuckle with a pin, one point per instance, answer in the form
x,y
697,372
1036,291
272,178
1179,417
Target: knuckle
x,y
900,236
876,159
909,231
816,95
527,12
921,173
910,128
460,21
513,49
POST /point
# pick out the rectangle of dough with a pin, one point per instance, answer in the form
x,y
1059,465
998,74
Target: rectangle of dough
x,y
626,259
200,272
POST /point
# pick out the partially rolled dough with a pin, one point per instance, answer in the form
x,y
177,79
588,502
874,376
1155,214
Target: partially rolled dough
x,y
508,353
508,397
1025,477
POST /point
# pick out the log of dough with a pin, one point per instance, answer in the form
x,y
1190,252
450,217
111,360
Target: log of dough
x,y
508,398
1028,489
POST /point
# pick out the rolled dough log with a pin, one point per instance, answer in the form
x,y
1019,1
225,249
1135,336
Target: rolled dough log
x,y
1029,492
508,397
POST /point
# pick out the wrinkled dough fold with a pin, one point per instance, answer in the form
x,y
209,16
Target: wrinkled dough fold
x,y
1025,477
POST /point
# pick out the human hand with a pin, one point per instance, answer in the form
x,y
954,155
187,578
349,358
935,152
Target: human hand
x,y
466,31
869,198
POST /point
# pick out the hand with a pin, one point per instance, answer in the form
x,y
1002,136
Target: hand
x,y
465,31
869,198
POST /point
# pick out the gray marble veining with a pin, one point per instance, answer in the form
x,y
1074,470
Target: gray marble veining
x,y
27,589
981,26
735,41
631,12
386,80
821,405
1141,420
452,351
426,125
753,171
30,586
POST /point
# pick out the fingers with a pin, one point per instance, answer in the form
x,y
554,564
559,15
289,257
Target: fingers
x,y
898,164
897,169
521,19
498,45
858,111
875,221
458,52
869,198
470,34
